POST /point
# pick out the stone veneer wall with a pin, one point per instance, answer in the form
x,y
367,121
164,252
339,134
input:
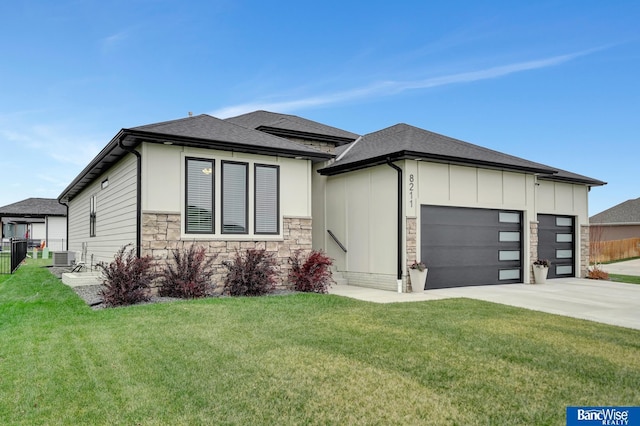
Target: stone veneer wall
x,y
411,246
161,233
584,251
533,247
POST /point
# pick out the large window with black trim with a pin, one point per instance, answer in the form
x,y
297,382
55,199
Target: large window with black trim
x,y
236,182
267,199
199,213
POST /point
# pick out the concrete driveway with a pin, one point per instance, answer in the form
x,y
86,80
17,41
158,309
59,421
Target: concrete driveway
x,y
601,301
629,267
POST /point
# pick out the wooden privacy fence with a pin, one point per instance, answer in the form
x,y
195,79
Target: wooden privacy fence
x,y
609,251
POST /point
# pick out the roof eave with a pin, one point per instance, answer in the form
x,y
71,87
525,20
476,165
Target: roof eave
x,y
276,131
412,155
142,136
589,182
112,153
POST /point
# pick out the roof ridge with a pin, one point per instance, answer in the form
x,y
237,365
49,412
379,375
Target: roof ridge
x,y
175,120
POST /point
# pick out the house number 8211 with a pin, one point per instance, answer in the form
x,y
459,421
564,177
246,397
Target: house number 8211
x,y
411,187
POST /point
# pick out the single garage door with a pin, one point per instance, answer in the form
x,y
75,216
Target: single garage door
x,y
556,243
468,246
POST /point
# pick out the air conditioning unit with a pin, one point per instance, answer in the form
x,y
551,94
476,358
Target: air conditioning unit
x,y
63,258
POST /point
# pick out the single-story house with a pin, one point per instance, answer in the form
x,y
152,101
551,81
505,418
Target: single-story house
x,y
619,222
375,203
37,219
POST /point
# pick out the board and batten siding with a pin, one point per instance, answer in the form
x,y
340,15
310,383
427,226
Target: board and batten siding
x,y
361,211
115,213
561,198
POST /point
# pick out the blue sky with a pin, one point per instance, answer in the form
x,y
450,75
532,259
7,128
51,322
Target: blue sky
x,y
551,81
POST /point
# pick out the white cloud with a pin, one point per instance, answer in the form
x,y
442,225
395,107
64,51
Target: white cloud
x,y
391,87
111,42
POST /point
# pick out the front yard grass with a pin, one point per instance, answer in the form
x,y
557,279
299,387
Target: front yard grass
x,y
631,279
300,359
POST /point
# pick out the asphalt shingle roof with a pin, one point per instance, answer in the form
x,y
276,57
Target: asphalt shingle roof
x,y
206,127
34,207
415,142
291,123
626,212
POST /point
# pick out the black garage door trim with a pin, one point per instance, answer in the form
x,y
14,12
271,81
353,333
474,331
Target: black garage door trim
x,y
471,246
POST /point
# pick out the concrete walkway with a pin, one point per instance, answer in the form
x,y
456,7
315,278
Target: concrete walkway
x,y
601,301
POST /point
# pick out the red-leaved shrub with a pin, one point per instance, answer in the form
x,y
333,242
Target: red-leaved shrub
x,y
189,276
312,274
127,279
596,273
250,274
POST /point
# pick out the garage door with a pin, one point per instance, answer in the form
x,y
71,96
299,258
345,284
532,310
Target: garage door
x,y
556,243
466,247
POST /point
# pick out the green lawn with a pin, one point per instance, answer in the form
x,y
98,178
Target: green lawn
x,y
632,279
300,359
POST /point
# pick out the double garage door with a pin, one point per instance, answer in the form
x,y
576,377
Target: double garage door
x,y
468,246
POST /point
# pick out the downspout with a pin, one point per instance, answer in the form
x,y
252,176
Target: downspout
x,y
138,192
399,243
66,230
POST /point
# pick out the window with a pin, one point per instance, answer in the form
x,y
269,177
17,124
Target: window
x,y
199,196
267,203
504,255
509,236
509,274
93,201
509,217
235,180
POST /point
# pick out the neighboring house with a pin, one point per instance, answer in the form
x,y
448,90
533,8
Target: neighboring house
x,y
38,219
375,203
620,222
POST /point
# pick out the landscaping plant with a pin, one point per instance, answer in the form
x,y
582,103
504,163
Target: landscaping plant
x,y
127,278
312,274
189,276
250,274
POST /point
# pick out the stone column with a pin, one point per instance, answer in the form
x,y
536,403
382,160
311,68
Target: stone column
x,y
584,251
411,245
533,247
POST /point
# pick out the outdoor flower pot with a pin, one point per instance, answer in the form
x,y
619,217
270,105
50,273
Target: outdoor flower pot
x,y
540,273
418,279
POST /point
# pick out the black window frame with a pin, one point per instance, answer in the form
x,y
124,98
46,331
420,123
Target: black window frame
x,y
186,196
246,198
255,195
93,207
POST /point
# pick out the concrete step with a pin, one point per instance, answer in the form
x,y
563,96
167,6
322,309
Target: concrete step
x,y
339,278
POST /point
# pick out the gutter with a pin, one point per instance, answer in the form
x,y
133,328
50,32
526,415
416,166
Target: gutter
x,y
399,224
67,218
133,151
